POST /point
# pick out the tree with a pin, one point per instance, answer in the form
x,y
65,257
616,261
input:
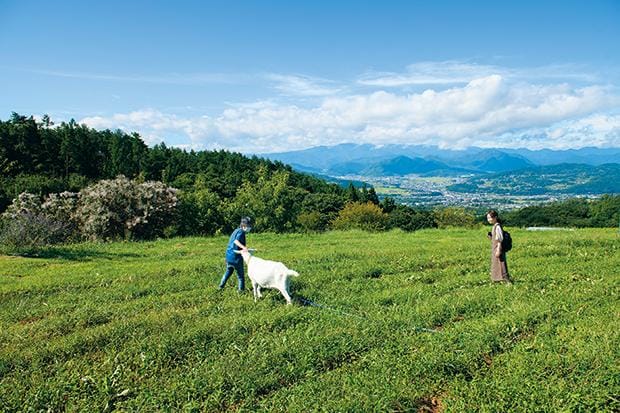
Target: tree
x,y
200,213
363,194
319,210
366,216
126,154
408,219
352,193
372,196
388,204
272,203
605,212
454,217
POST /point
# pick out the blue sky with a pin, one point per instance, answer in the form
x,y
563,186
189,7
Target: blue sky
x,y
263,76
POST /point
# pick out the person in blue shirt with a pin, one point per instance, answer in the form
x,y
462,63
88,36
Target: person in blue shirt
x,y
234,261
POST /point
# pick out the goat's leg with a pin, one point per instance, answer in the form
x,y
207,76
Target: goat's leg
x,y
287,297
255,290
258,291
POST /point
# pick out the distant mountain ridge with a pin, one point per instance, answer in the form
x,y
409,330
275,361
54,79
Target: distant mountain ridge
x,y
576,179
403,165
390,160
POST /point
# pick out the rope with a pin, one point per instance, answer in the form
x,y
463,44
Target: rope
x,y
313,304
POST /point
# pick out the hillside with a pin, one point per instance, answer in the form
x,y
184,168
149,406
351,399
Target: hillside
x,y
38,158
493,160
577,179
403,165
402,322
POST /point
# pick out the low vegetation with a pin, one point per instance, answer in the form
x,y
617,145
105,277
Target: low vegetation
x,y
388,321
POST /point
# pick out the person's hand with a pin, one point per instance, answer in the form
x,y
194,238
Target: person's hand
x,y
498,253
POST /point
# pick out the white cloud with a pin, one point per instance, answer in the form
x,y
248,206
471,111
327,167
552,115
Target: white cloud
x,y
430,73
296,85
155,127
455,72
496,109
600,130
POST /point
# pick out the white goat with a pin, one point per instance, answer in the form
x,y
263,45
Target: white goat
x,y
267,274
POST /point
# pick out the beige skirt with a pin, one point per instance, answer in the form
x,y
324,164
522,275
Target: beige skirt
x,y
499,266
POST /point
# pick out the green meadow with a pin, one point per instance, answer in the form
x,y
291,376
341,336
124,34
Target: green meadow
x,y
381,322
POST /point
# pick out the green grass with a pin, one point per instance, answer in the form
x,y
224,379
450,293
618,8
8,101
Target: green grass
x,y
141,327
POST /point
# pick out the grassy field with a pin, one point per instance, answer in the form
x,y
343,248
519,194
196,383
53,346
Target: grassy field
x,y
407,322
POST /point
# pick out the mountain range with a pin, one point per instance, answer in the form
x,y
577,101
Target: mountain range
x,y
399,160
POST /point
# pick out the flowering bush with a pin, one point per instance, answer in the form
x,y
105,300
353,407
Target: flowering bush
x,y
25,203
122,208
61,207
29,222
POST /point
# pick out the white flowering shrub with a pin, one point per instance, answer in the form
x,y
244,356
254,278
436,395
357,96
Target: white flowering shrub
x,y
30,222
61,207
25,203
122,208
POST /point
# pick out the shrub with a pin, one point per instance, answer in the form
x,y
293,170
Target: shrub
x,y
30,223
366,216
200,213
454,217
122,208
311,221
318,210
61,207
32,231
25,203
408,219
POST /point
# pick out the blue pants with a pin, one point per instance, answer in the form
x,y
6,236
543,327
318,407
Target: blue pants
x,y
240,273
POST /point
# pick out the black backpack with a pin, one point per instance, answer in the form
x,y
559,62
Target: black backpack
x,y
506,242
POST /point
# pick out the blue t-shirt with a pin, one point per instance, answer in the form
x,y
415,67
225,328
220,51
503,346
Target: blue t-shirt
x,y
231,256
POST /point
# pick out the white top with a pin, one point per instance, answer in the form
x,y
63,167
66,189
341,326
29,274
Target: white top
x,y
497,231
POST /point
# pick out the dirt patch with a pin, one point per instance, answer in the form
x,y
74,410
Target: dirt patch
x,y
488,359
430,405
30,320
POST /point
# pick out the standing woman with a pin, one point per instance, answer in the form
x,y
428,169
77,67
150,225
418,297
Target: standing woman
x,y
499,267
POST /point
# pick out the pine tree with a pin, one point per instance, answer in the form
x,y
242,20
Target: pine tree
x,y
352,194
372,196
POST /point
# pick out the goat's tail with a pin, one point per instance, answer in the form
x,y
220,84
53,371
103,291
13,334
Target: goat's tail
x,y
293,273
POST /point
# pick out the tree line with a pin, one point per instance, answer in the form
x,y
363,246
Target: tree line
x,y
207,191
215,188
575,212
40,157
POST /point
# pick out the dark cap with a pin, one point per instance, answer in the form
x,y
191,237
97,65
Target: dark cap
x,y
247,221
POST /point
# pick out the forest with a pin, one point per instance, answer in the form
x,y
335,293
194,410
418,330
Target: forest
x,y
162,191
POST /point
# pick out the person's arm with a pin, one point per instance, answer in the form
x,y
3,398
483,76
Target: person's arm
x,y
499,236
240,245
240,240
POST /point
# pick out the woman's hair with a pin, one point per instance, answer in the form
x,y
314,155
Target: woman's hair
x,y
493,214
